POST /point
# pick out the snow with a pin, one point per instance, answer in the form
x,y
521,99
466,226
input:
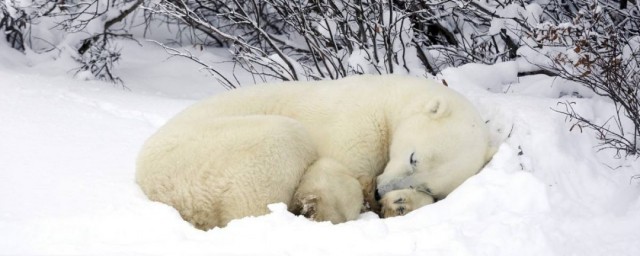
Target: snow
x,y
69,146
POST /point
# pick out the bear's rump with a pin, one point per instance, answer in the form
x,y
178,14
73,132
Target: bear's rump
x,y
226,168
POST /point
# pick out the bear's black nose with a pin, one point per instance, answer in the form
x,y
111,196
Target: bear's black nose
x,y
376,195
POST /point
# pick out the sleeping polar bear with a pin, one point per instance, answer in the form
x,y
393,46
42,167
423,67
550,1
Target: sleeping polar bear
x,y
316,146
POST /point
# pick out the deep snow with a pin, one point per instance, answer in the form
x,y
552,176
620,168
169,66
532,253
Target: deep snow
x,y
67,166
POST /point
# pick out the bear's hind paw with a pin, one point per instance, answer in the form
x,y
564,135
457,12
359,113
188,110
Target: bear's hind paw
x,y
306,206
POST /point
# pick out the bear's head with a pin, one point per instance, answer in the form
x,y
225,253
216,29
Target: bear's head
x,y
436,145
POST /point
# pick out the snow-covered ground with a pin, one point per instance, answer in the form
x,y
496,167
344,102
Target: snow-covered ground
x,y
67,166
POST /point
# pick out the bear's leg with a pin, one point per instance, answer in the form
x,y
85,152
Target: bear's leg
x,y
328,193
403,201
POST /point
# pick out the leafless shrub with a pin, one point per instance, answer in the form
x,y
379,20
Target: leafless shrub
x,y
222,79
98,57
293,40
97,52
96,19
12,26
600,49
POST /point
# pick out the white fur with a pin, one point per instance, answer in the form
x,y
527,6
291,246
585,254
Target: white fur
x,y
213,170
228,156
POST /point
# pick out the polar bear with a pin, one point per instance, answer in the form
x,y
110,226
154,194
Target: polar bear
x,y
317,146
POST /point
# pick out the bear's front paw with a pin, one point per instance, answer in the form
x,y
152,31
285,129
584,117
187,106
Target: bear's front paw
x,y
396,208
401,202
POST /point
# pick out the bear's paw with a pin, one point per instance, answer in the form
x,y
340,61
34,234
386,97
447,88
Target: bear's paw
x,y
401,202
306,206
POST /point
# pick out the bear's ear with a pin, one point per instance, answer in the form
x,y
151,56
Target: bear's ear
x,y
436,108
